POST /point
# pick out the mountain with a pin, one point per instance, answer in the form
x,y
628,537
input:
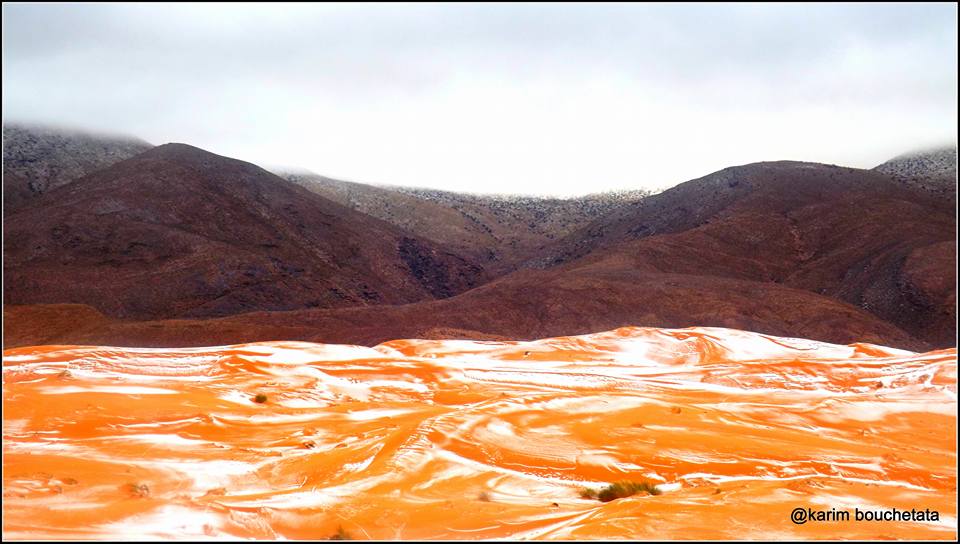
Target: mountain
x,y
854,235
498,231
792,249
785,248
37,159
437,222
933,169
180,232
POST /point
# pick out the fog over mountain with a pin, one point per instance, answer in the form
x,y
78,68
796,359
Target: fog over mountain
x,y
37,159
934,169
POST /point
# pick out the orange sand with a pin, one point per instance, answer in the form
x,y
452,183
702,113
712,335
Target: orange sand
x,y
420,439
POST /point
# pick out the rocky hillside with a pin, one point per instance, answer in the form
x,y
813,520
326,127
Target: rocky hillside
x,y
499,231
180,232
855,235
430,220
934,170
37,159
547,218
785,248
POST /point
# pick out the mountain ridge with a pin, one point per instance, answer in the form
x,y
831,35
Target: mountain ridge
x,y
495,230
38,158
223,231
932,169
782,247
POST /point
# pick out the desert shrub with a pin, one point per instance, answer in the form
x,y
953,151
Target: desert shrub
x,y
341,534
138,490
620,490
623,489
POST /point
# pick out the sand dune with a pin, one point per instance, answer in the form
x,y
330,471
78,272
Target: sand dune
x,y
452,439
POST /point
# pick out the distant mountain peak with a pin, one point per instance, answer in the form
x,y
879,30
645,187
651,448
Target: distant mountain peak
x,y
938,162
39,158
179,231
181,151
928,153
10,128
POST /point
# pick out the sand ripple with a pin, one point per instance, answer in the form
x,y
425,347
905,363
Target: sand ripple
x,y
421,439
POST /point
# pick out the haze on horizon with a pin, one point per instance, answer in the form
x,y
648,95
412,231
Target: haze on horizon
x,y
559,99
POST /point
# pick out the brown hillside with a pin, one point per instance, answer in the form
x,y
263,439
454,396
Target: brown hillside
x,y
525,305
497,231
854,235
790,249
180,232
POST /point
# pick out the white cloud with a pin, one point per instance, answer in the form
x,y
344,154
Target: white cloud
x,y
560,99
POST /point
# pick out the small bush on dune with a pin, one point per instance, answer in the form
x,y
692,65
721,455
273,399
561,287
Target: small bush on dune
x,y
341,534
620,490
138,490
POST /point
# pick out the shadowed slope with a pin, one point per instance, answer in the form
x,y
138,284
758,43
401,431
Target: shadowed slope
x,y
497,231
524,305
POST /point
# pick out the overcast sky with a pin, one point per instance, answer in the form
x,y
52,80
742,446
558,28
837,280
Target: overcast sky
x,y
550,99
